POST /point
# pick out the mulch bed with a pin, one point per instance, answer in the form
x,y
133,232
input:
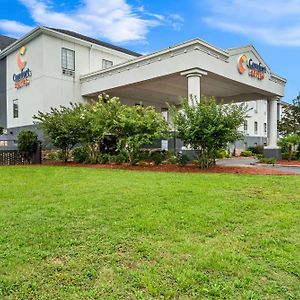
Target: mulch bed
x,y
189,168
289,163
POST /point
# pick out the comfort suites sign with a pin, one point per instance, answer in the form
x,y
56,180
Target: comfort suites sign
x,y
22,79
255,69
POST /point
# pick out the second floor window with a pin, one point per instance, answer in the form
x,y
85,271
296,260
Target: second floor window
x,y
106,64
68,59
245,125
15,108
255,127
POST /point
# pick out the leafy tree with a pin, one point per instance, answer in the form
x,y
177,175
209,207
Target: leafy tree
x,y
208,127
101,123
64,126
290,121
289,143
137,126
27,144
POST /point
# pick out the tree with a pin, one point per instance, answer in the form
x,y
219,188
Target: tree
x,y
290,121
27,144
288,143
101,123
64,126
137,126
207,127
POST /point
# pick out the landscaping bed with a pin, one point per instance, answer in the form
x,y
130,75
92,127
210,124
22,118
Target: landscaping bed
x,y
189,168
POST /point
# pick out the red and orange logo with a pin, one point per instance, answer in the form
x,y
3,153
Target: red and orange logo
x,y
242,60
21,62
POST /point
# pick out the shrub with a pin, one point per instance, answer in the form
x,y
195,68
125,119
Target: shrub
x,y
62,155
207,127
27,144
182,159
52,156
259,149
159,156
80,155
270,160
103,158
223,153
117,159
246,153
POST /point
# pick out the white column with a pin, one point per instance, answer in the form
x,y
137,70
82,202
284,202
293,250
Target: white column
x,y
272,132
194,85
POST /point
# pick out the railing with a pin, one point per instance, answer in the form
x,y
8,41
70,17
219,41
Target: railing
x,y
9,155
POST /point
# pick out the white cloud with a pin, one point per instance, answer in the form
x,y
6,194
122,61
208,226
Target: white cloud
x,y
275,22
114,20
13,28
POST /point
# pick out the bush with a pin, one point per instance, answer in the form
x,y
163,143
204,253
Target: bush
x,y
246,153
80,155
270,160
117,159
182,159
27,144
62,155
52,156
259,149
159,156
103,158
223,153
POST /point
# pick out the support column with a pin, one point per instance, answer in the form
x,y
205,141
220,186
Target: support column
x,y
272,150
194,85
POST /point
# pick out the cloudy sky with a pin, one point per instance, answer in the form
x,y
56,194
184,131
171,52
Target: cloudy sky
x,y
272,26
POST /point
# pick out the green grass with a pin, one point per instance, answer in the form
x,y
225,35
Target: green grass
x,y
75,233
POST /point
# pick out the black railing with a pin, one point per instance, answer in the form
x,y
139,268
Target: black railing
x,y
9,155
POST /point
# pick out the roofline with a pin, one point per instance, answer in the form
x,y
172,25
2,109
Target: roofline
x,y
208,48
42,29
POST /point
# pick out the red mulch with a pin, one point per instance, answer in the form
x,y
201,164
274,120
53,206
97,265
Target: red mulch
x,y
181,169
289,163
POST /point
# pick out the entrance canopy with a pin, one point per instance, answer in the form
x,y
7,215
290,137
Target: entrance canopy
x,y
238,74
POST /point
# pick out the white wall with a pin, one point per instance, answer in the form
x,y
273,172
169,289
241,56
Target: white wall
x,y
257,113
49,87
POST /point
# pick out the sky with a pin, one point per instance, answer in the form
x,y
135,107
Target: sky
x,y
272,26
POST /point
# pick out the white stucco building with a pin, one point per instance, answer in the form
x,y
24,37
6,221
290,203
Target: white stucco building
x,y
51,67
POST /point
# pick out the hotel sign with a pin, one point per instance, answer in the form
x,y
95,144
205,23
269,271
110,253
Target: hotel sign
x,y
256,70
22,79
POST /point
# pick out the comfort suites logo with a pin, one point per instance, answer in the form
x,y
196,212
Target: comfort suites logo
x,y
22,79
256,70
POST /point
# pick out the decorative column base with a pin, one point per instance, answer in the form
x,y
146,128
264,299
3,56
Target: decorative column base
x,y
274,151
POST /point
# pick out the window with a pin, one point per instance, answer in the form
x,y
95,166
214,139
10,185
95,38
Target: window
x,y
15,108
68,59
3,143
245,126
106,64
256,106
165,113
265,128
255,127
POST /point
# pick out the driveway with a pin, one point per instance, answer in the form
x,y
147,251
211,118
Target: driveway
x,y
250,161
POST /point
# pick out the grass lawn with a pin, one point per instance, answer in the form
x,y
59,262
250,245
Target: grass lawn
x,y
76,233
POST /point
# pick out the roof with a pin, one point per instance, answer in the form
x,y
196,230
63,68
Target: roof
x,y
95,41
5,41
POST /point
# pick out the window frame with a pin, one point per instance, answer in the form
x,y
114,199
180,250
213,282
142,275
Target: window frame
x,y
104,63
62,59
16,108
255,127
